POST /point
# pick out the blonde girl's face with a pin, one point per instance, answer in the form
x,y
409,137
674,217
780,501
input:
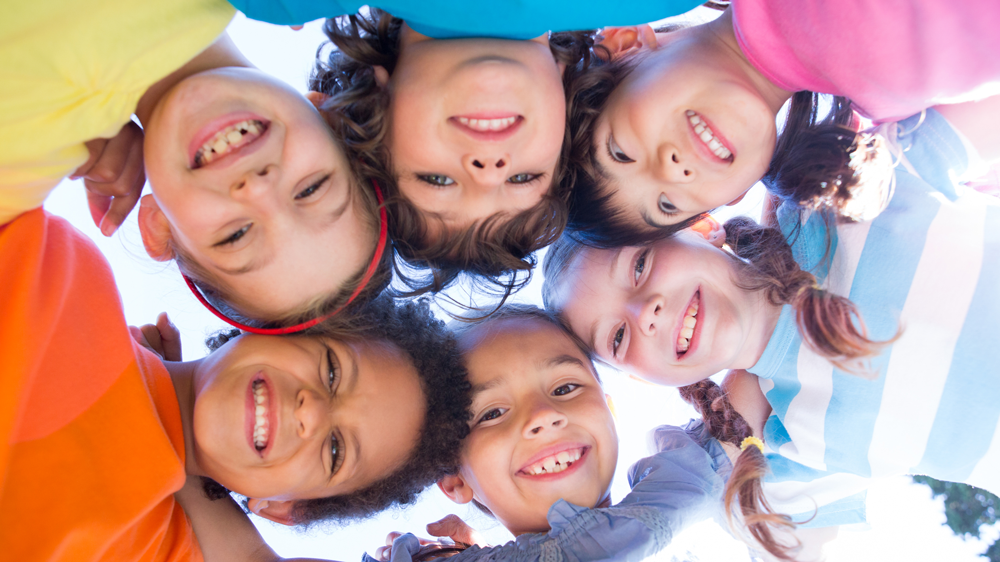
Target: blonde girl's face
x,y
256,190
477,126
684,133
541,427
670,312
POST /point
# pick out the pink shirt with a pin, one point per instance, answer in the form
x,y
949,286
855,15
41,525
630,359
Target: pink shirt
x,y
892,58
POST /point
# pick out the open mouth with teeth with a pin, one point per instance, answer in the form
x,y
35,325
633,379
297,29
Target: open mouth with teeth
x,y
259,415
228,140
555,463
688,325
488,128
703,131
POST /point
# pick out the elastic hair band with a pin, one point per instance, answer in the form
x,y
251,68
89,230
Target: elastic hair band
x,y
379,249
752,441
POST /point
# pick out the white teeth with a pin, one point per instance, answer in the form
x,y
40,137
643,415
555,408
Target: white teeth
x,y
687,331
707,136
227,139
555,463
260,410
260,426
487,124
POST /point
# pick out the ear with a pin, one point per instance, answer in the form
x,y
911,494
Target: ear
x,y
277,511
455,487
381,76
710,229
317,98
622,41
155,230
738,199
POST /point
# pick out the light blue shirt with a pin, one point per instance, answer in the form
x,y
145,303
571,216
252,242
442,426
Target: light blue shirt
x,y
680,485
507,19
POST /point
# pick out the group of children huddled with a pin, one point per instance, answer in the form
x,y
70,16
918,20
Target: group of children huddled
x,y
443,140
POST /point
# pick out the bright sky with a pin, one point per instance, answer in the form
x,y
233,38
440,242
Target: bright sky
x,y
905,523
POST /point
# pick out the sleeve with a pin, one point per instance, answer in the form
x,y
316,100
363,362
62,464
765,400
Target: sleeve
x,y
931,149
295,12
674,488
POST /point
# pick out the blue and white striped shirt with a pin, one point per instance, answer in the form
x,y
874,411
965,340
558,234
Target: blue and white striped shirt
x,y
929,264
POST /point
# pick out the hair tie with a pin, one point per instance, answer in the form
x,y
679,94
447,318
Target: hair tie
x,y
814,286
752,441
369,272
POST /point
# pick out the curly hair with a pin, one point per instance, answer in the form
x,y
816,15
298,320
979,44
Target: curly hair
x,y
496,252
820,162
412,328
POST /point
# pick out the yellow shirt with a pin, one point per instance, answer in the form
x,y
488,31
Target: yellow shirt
x,y
73,70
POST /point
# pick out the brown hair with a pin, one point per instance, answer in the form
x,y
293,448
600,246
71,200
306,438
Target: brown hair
x,y
818,163
830,324
497,251
744,484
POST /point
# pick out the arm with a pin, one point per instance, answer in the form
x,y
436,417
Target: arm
x,y
977,121
223,530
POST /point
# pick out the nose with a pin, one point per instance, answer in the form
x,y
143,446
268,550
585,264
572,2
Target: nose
x,y
543,420
671,165
311,414
649,315
254,182
487,170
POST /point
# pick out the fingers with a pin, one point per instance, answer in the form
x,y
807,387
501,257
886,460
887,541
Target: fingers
x,y
114,176
138,336
452,526
94,149
383,553
170,338
152,335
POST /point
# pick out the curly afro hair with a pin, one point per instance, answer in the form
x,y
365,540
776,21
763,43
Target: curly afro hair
x,y
411,327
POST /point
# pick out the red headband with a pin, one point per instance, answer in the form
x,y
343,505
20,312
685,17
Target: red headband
x,y
382,235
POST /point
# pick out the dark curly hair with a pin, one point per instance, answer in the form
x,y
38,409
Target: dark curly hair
x,y
497,253
820,162
411,327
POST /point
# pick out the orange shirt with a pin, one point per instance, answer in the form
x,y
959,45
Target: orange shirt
x,y
91,445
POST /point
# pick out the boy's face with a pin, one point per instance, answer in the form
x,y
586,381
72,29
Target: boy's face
x,y
477,126
684,133
285,418
541,427
270,213
671,312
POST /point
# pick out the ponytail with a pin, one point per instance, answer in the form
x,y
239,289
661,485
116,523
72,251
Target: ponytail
x,y
830,324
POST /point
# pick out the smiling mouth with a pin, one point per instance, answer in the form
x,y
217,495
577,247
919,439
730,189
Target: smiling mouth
x,y
707,136
488,128
690,322
227,140
556,463
261,427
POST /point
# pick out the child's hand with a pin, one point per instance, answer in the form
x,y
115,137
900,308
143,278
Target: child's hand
x,y
113,175
711,230
161,338
457,530
452,527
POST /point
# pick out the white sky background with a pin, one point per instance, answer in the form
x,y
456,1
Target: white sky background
x,y
905,523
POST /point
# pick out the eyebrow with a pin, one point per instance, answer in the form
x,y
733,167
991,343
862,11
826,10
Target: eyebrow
x,y
593,334
564,359
492,383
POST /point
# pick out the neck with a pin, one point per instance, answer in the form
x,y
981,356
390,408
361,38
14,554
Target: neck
x,y
721,30
221,53
763,324
182,375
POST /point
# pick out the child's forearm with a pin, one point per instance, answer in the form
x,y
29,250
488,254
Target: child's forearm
x,y
224,532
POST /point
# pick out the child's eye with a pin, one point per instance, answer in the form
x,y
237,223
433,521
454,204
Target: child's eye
x,y
616,153
666,207
336,455
524,178
619,335
312,188
437,180
491,414
640,265
565,389
333,369
234,236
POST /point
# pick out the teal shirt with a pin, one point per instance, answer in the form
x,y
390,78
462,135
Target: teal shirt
x,y
448,19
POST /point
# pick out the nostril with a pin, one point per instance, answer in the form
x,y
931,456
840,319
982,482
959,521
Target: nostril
x,y
501,164
535,430
687,172
674,158
657,309
478,164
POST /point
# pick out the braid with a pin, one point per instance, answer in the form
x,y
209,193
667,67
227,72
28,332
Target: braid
x,y
831,325
744,485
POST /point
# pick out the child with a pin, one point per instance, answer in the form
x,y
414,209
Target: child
x,y
683,122
469,133
99,434
919,323
543,449
240,164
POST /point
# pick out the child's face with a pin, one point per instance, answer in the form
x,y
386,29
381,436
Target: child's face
x,y
537,409
334,416
477,126
663,165
670,312
272,215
